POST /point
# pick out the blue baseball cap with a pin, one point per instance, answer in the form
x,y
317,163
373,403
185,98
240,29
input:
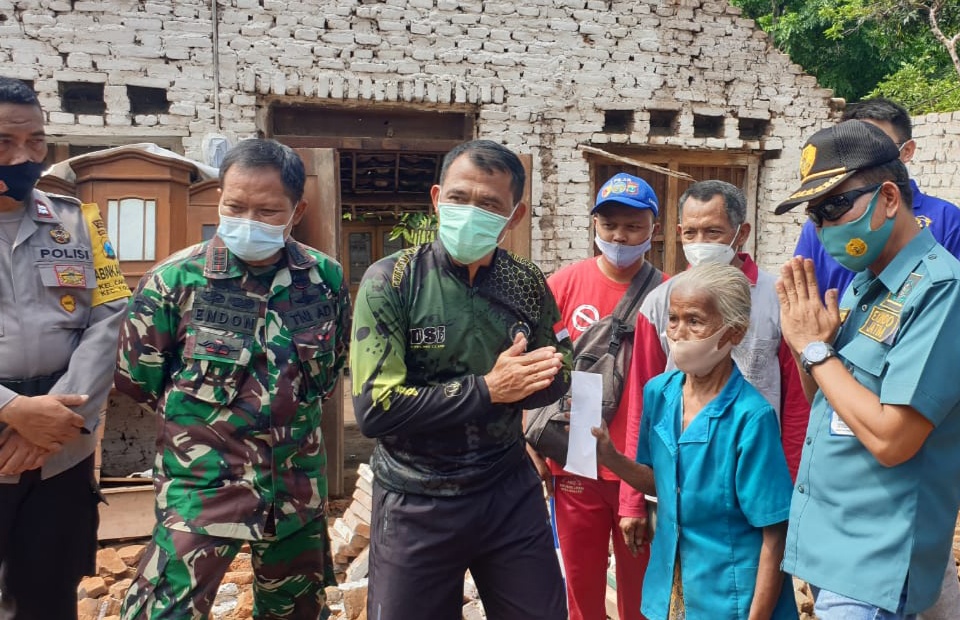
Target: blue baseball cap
x,y
626,189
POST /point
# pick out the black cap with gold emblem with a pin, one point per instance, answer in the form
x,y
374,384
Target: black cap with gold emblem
x,y
834,154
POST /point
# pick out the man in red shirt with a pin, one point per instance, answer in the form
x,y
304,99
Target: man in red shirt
x,y
587,510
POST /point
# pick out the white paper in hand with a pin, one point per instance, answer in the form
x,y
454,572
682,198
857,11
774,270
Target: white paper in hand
x,y
586,405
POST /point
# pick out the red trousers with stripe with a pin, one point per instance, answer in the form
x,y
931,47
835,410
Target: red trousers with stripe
x,y
587,515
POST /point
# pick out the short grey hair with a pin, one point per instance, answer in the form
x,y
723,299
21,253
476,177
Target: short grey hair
x,y
734,202
725,284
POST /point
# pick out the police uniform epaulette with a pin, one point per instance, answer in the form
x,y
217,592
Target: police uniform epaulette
x,y
939,269
69,199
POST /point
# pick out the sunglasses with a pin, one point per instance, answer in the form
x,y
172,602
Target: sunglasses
x,y
834,207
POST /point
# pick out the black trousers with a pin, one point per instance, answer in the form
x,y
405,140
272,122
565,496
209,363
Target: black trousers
x,y
421,546
48,542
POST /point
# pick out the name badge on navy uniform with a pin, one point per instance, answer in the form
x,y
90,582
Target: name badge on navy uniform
x,y
881,325
839,428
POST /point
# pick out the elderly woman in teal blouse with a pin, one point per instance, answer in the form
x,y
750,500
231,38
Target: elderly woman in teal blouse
x,y
709,447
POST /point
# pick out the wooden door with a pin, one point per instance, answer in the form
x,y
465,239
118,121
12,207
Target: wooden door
x,y
518,239
362,245
320,228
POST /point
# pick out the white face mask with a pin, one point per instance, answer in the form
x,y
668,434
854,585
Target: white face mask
x,y
250,240
621,255
699,357
702,253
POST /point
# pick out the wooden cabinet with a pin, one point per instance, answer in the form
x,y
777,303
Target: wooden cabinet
x,y
143,201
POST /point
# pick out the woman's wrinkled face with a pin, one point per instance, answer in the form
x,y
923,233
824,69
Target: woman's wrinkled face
x,y
692,315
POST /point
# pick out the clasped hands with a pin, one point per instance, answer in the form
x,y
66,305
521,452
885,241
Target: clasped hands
x,y
36,427
803,317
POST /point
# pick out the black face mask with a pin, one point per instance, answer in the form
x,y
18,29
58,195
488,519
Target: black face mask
x,y
17,181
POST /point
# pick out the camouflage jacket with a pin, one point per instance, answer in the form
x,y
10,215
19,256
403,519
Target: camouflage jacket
x,y
423,338
236,364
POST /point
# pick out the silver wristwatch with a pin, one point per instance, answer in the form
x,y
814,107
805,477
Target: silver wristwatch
x,y
815,353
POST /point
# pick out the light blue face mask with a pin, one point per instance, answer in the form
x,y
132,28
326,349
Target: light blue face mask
x,y
250,240
469,233
620,255
854,244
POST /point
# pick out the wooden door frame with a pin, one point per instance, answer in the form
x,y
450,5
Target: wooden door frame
x,y
322,193
376,229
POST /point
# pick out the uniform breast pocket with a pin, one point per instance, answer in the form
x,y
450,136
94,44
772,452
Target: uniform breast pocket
x,y
867,356
215,366
68,290
315,350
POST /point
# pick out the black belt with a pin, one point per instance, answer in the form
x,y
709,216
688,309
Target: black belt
x,y
36,386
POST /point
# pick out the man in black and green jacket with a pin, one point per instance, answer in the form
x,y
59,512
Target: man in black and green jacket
x,y
451,341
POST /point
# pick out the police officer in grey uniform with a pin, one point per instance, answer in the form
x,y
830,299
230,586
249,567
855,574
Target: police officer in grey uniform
x,y
61,300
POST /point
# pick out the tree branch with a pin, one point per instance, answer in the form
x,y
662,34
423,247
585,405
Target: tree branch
x,y
950,43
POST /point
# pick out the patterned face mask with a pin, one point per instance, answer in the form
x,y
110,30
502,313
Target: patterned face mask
x,y
469,233
854,244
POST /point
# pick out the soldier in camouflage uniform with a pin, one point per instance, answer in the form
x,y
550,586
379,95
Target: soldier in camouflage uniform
x,y
451,341
234,343
61,299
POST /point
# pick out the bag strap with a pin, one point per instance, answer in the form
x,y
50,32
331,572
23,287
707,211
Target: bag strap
x,y
640,286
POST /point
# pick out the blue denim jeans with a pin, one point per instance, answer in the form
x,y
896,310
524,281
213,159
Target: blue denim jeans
x,y
832,606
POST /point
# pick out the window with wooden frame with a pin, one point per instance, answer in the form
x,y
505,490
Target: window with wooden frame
x,y
132,224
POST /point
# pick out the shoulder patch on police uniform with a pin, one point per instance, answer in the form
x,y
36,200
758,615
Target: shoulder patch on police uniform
x,y
43,209
110,282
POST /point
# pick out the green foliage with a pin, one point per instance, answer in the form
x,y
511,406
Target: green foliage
x,y
920,92
861,48
415,228
851,65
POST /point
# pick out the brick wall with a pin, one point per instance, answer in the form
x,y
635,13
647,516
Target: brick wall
x,y
540,74
936,164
